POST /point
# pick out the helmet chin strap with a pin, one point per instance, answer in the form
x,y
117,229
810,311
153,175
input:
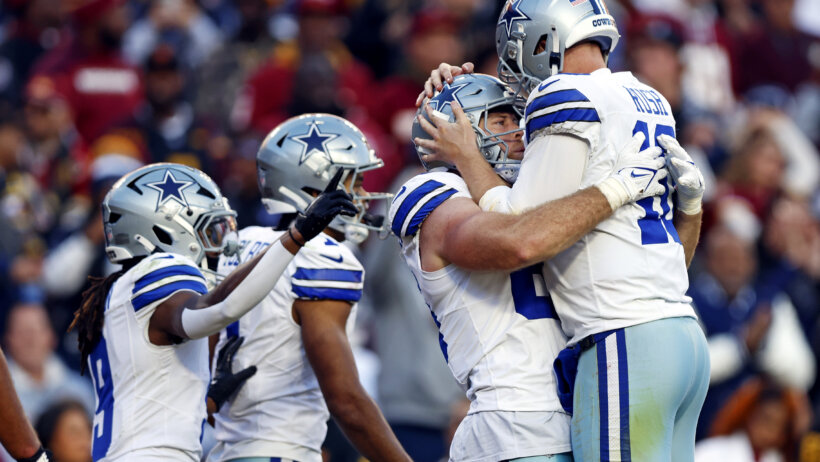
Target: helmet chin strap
x,y
555,56
145,243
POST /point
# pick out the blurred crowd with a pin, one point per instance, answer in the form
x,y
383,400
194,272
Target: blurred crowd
x,y
91,89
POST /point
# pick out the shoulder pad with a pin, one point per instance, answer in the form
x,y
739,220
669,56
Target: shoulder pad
x,y
419,196
559,107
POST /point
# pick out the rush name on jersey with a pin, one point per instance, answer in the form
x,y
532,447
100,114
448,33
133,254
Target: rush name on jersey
x,y
630,269
498,331
280,411
150,398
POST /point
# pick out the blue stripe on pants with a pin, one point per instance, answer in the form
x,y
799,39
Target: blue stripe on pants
x,y
623,394
603,400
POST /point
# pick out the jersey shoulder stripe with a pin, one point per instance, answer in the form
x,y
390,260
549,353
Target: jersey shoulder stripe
x,y
141,301
161,275
165,272
559,106
328,274
419,197
327,293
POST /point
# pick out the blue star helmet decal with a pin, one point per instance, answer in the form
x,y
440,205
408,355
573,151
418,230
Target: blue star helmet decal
x,y
170,189
314,141
448,94
511,14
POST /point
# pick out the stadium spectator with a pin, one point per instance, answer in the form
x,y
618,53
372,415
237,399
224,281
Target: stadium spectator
x,y
65,430
39,376
37,28
179,22
761,422
751,327
100,87
165,125
313,73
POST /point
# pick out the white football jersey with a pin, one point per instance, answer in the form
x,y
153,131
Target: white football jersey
x,y
280,411
150,398
631,268
497,330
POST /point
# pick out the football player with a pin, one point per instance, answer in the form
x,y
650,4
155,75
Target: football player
x,y
298,336
620,291
144,328
480,274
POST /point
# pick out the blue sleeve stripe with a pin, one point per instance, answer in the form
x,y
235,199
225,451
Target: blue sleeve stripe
x,y
328,293
555,98
166,272
564,115
328,274
427,209
161,292
410,202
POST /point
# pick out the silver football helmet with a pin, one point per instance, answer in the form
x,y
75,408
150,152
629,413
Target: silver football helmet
x,y
300,156
478,95
165,208
557,25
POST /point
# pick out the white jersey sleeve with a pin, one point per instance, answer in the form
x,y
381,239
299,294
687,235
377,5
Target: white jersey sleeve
x,y
160,276
419,196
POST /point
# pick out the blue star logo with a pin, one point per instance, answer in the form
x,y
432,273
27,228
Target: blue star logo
x,y
511,14
314,141
448,94
170,189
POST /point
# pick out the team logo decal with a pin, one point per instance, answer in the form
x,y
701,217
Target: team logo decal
x,y
314,141
170,189
447,96
511,14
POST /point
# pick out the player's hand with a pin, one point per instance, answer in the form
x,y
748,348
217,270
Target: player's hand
x,y
688,180
443,73
225,383
637,174
452,142
324,209
42,455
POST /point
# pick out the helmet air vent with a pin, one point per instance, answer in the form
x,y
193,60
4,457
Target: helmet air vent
x,y
162,235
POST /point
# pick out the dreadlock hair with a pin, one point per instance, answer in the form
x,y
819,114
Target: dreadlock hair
x,y
88,320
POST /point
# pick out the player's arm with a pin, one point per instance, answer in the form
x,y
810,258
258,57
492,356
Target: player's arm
x,y
689,189
16,434
459,232
188,315
328,350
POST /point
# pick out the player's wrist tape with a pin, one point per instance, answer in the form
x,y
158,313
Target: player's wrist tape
x,y
40,456
615,192
690,205
293,238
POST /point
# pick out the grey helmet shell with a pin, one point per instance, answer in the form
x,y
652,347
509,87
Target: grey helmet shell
x,y
301,155
478,95
563,23
165,207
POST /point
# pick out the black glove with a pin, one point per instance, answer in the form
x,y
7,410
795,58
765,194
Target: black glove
x,y
324,209
225,382
42,455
